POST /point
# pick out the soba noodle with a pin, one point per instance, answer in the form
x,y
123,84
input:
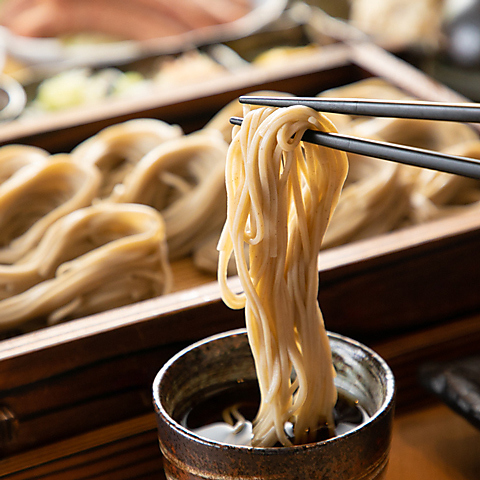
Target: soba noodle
x,y
38,194
14,157
374,200
117,149
183,179
93,259
381,196
281,196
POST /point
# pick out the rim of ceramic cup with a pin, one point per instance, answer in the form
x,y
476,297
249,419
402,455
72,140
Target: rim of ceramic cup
x,y
160,410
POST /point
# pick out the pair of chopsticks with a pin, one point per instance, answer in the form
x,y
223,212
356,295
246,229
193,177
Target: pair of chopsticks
x,y
456,112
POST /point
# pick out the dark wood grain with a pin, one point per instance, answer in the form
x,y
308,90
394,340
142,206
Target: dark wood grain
x,y
411,294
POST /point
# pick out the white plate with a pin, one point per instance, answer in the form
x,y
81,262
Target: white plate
x,y
52,52
12,98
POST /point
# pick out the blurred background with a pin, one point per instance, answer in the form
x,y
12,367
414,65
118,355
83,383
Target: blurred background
x,y
59,54
108,84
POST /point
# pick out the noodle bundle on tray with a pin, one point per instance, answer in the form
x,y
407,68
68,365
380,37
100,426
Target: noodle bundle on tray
x,y
181,179
38,194
92,259
184,180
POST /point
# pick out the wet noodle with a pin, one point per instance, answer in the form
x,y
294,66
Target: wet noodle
x,y
281,196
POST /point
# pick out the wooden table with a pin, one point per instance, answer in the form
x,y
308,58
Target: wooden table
x,y
434,444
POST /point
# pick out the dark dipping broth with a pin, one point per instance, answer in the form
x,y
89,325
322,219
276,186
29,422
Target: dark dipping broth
x,y
205,413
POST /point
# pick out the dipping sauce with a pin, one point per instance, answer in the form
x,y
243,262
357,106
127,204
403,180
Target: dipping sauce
x,y
226,415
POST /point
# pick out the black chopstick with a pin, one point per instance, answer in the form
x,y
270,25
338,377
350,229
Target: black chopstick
x,y
455,112
468,167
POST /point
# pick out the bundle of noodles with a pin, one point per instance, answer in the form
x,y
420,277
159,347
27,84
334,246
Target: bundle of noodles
x,y
415,133
423,184
374,201
400,23
438,194
116,150
91,260
205,254
221,121
184,180
368,88
431,194
37,195
14,157
281,196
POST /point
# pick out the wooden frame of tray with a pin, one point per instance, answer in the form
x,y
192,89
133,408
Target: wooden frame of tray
x,y
94,373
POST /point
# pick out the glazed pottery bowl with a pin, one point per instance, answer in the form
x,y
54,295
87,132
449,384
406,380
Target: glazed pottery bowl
x,y
223,363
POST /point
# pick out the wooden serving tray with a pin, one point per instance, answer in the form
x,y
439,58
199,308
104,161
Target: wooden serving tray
x,y
412,294
190,106
429,441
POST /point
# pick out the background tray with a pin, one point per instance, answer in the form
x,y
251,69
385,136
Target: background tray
x,y
411,294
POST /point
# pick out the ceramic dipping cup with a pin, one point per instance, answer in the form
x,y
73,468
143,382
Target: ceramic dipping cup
x,y
223,363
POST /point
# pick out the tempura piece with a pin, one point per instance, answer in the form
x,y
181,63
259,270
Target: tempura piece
x,y
400,23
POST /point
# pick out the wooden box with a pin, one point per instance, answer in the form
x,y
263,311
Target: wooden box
x,y
75,398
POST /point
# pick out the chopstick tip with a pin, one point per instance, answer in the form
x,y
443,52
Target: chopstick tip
x,y
253,99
